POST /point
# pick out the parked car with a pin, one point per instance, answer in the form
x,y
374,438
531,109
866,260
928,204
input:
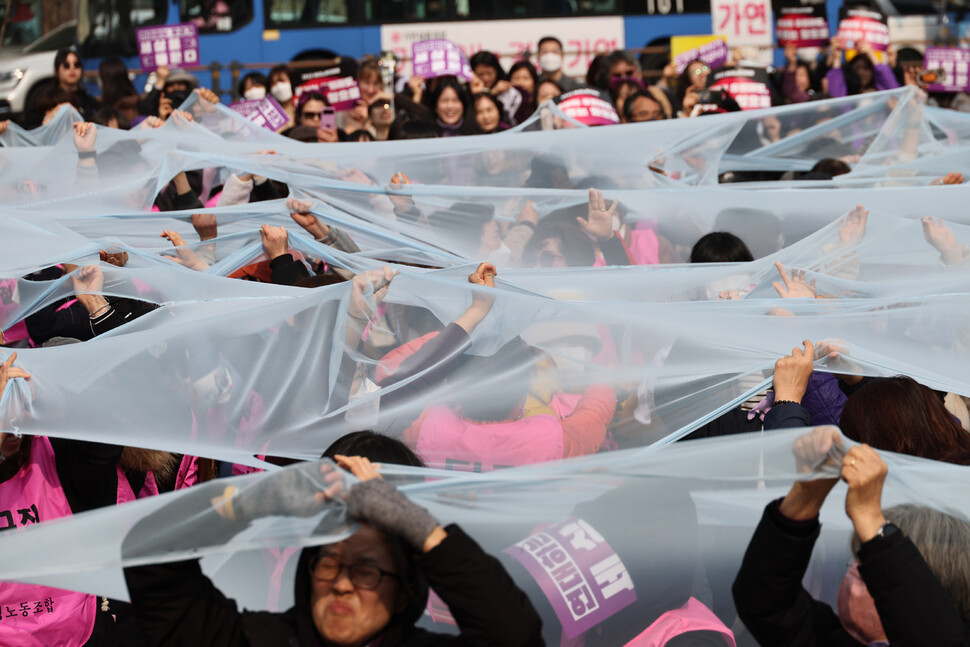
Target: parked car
x,y
24,72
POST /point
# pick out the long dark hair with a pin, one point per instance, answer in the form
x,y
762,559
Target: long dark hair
x,y
115,83
901,415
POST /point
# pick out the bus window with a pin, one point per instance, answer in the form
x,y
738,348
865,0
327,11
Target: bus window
x,y
382,11
212,16
494,8
306,13
107,27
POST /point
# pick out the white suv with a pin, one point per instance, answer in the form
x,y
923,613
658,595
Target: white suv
x,y
24,72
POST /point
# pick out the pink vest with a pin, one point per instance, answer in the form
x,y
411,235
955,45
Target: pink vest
x,y
693,616
446,441
32,615
644,246
125,493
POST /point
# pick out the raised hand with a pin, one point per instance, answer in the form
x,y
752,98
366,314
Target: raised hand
x,y
360,111
85,134
165,108
852,228
118,259
150,122
941,237
836,354
528,214
792,373
374,284
794,285
275,240
359,466
328,135
300,213
88,279
88,282
8,372
484,274
173,237
865,472
814,451
949,179
599,219
186,255
401,202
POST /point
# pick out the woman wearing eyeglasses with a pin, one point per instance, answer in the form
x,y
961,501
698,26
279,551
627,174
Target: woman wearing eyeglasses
x,y
367,590
69,74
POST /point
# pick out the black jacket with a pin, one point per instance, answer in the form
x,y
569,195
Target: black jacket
x,y
912,604
178,605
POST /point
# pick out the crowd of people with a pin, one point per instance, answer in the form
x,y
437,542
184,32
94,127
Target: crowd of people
x,y
433,378
648,88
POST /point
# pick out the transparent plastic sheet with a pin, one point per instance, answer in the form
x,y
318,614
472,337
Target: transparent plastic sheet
x,y
679,520
236,370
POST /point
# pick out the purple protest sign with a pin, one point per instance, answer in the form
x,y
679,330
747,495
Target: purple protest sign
x,y
264,112
439,57
714,54
582,577
168,45
342,93
955,65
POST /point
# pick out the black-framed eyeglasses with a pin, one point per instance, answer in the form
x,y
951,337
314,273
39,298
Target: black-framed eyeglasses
x,y
363,575
67,65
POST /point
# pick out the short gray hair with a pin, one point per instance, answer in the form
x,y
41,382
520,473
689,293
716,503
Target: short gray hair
x,y
943,541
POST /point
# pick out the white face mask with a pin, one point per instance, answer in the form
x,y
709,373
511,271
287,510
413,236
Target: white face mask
x,y
550,62
283,91
255,93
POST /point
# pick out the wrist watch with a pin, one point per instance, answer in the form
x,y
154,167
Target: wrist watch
x,y
885,531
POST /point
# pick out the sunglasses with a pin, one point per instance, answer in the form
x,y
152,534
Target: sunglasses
x,y
311,115
67,65
702,70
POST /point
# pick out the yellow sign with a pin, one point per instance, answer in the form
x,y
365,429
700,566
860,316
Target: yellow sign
x,y
683,44
271,34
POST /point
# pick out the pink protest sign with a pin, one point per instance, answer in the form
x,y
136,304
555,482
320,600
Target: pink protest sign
x,y
954,62
747,86
587,107
439,57
264,112
168,45
582,576
341,93
857,25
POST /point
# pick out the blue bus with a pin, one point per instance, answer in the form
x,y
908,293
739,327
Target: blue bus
x,y
236,35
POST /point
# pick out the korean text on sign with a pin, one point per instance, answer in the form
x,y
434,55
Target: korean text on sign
x,y
168,45
863,25
27,609
263,112
955,63
583,578
742,22
439,57
714,54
